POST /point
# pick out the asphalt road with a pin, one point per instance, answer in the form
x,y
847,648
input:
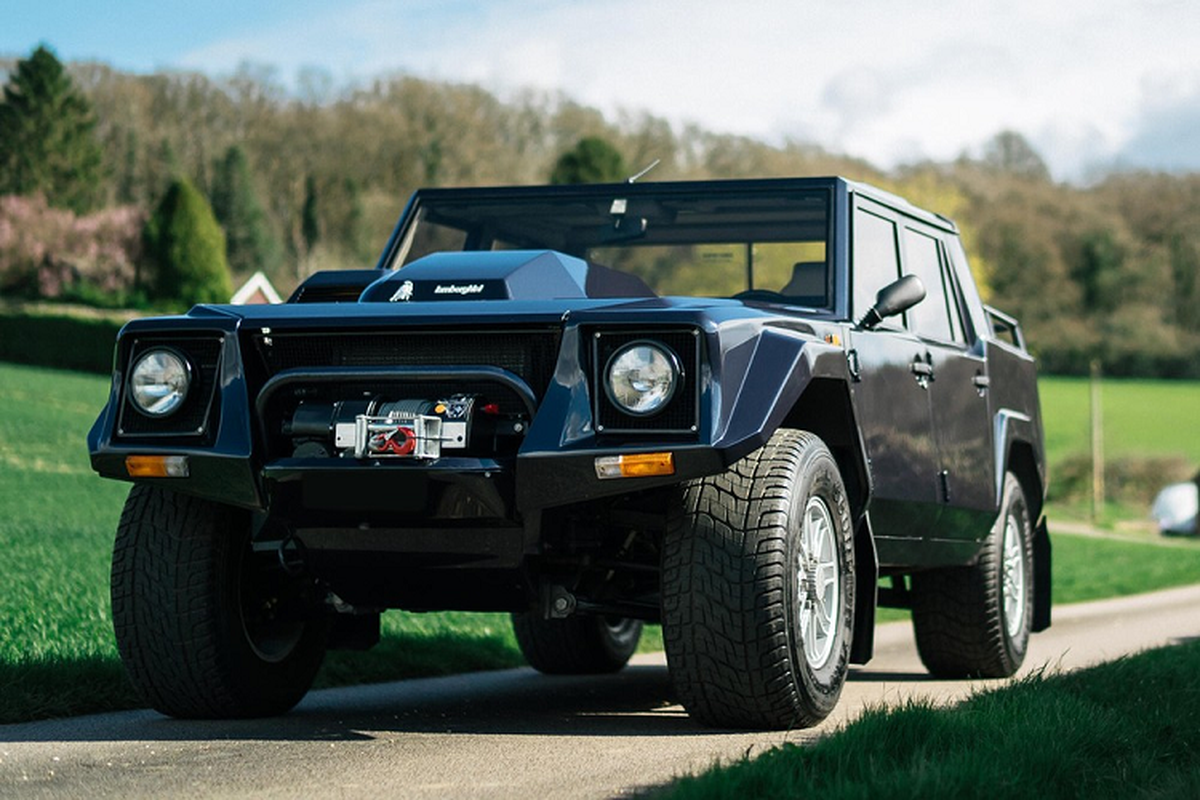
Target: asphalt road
x,y
502,734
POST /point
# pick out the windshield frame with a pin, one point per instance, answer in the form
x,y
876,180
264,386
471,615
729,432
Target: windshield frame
x,y
638,215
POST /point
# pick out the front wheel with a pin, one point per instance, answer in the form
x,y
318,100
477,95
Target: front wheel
x,y
974,622
758,589
203,630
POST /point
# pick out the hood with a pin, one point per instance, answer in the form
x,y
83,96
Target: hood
x,y
502,275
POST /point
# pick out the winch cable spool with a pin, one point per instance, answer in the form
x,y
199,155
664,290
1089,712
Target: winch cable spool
x,y
401,442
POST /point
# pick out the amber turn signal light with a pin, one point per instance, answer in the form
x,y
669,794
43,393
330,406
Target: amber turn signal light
x,y
635,465
156,466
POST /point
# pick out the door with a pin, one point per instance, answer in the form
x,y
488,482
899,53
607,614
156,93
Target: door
x,y
892,399
958,393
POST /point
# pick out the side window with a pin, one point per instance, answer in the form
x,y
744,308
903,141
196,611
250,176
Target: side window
x,y
876,259
959,316
931,317
979,323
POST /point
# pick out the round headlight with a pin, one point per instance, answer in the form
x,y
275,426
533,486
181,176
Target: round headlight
x,y
641,378
159,382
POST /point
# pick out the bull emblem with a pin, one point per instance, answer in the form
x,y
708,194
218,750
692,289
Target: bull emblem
x,y
403,294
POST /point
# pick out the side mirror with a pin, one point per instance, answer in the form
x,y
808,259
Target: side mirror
x,y
893,299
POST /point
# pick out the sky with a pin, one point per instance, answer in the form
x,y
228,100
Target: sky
x,y
1092,84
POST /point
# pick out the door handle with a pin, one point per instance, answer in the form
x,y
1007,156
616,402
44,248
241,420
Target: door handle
x,y
922,368
982,382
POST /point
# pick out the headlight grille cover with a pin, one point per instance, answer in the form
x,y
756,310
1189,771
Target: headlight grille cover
x,y
195,415
680,413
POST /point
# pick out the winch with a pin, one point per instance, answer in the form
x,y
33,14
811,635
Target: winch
x,y
406,428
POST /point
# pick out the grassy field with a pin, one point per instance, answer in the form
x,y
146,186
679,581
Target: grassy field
x,y
1141,418
1151,439
1130,728
57,521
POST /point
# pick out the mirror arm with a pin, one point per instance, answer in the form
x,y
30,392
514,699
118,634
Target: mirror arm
x,y
869,320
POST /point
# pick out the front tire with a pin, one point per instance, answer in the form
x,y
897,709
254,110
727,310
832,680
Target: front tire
x,y
974,622
202,631
577,645
759,591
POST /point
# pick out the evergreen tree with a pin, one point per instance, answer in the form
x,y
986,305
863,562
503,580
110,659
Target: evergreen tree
x,y
310,223
47,142
250,243
347,216
356,222
592,160
185,245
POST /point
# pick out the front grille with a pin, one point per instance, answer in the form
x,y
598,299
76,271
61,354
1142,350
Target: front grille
x,y
195,417
529,354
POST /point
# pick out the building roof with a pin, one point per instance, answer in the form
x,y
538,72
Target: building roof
x,y
256,291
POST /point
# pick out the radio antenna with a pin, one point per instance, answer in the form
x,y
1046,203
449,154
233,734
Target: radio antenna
x,y
653,164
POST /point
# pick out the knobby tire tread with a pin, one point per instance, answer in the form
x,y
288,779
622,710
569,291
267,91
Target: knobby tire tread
x,y
571,646
958,617
724,617
168,562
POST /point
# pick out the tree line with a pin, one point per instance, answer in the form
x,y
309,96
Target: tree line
x,y
314,176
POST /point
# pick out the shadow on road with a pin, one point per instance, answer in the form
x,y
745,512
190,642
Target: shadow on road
x,y
869,676
634,702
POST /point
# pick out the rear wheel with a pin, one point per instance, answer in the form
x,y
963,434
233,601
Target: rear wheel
x,y
577,645
758,589
975,621
202,628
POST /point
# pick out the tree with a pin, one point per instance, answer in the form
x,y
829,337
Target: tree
x,y
592,160
1098,267
345,217
1009,151
184,243
310,223
250,244
47,142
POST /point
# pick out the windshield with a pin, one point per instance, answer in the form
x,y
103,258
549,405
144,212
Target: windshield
x,y
762,246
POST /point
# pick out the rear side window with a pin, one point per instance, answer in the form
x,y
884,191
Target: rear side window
x,y
978,322
934,317
876,258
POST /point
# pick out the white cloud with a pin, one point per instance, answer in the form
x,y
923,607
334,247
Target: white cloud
x,y
1167,136
873,78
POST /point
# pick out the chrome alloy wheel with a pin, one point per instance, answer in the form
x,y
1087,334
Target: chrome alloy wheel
x,y
1012,584
818,583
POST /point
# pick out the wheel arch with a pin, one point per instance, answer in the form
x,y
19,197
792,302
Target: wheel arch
x,y
825,409
1021,461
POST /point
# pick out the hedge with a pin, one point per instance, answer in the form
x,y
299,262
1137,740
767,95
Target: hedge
x,y
63,342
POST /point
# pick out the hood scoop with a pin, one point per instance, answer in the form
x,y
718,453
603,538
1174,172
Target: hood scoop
x,y
502,275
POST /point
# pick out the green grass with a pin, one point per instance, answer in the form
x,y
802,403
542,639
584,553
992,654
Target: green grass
x,y
1150,439
1130,728
1089,568
57,521
1141,418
